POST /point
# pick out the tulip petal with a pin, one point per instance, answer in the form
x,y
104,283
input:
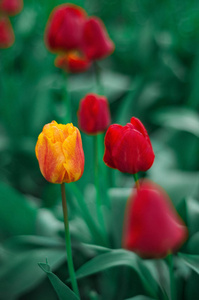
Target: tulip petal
x,y
51,159
152,226
59,152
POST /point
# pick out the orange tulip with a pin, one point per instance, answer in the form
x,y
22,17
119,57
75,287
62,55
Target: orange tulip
x,y
59,152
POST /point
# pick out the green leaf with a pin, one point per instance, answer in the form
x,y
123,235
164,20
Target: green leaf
x,y
62,290
118,258
140,297
17,215
190,260
20,273
178,118
193,244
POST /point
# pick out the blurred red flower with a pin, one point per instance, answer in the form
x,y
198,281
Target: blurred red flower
x,y
93,114
72,62
69,29
152,227
64,28
96,42
7,37
11,7
128,148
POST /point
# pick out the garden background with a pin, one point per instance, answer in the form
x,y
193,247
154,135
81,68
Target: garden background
x,y
153,74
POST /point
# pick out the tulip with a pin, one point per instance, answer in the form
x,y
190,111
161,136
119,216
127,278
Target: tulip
x,y
152,226
96,43
64,28
59,152
11,7
128,148
7,37
93,114
72,62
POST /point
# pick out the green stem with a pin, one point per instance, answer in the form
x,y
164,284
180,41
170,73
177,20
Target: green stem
x,y
172,278
97,72
68,243
136,181
86,215
67,99
97,185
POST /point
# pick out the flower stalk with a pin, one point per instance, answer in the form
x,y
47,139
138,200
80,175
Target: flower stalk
x,y
171,275
67,99
68,243
136,181
97,186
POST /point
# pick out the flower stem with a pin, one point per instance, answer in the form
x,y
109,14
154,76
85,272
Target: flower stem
x,y
172,279
67,99
136,181
85,213
97,72
68,243
97,186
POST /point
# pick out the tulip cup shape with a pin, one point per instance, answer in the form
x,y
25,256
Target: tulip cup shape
x,y
11,7
64,28
7,36
59,152
93,114
72,62
152,227
128,148
96,43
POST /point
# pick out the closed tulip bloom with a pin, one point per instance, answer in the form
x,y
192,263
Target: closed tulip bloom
x,y
7,37
96,43
11,7
93,114
128,148
64,28
152,226
72,62
59,152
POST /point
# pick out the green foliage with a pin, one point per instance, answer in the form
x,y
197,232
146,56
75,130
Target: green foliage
x,y
153,75
63,292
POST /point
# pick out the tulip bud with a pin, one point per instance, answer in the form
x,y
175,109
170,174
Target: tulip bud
x,y
128,148
152,227
11,7
93,114
64,28
96,43
7,37
59,152
72,62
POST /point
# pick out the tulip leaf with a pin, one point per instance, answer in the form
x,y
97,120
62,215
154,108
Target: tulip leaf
x,y
191,260
62,290
178,118
193,244
140,297
19,271
117,258
17,215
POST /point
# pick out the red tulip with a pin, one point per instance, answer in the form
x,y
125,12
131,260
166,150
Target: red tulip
x,y
152,226
93,114
72,62
64,28
7,37
11,7
96,42
128,148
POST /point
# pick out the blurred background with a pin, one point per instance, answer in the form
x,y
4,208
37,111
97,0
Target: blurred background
x,y
153,75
